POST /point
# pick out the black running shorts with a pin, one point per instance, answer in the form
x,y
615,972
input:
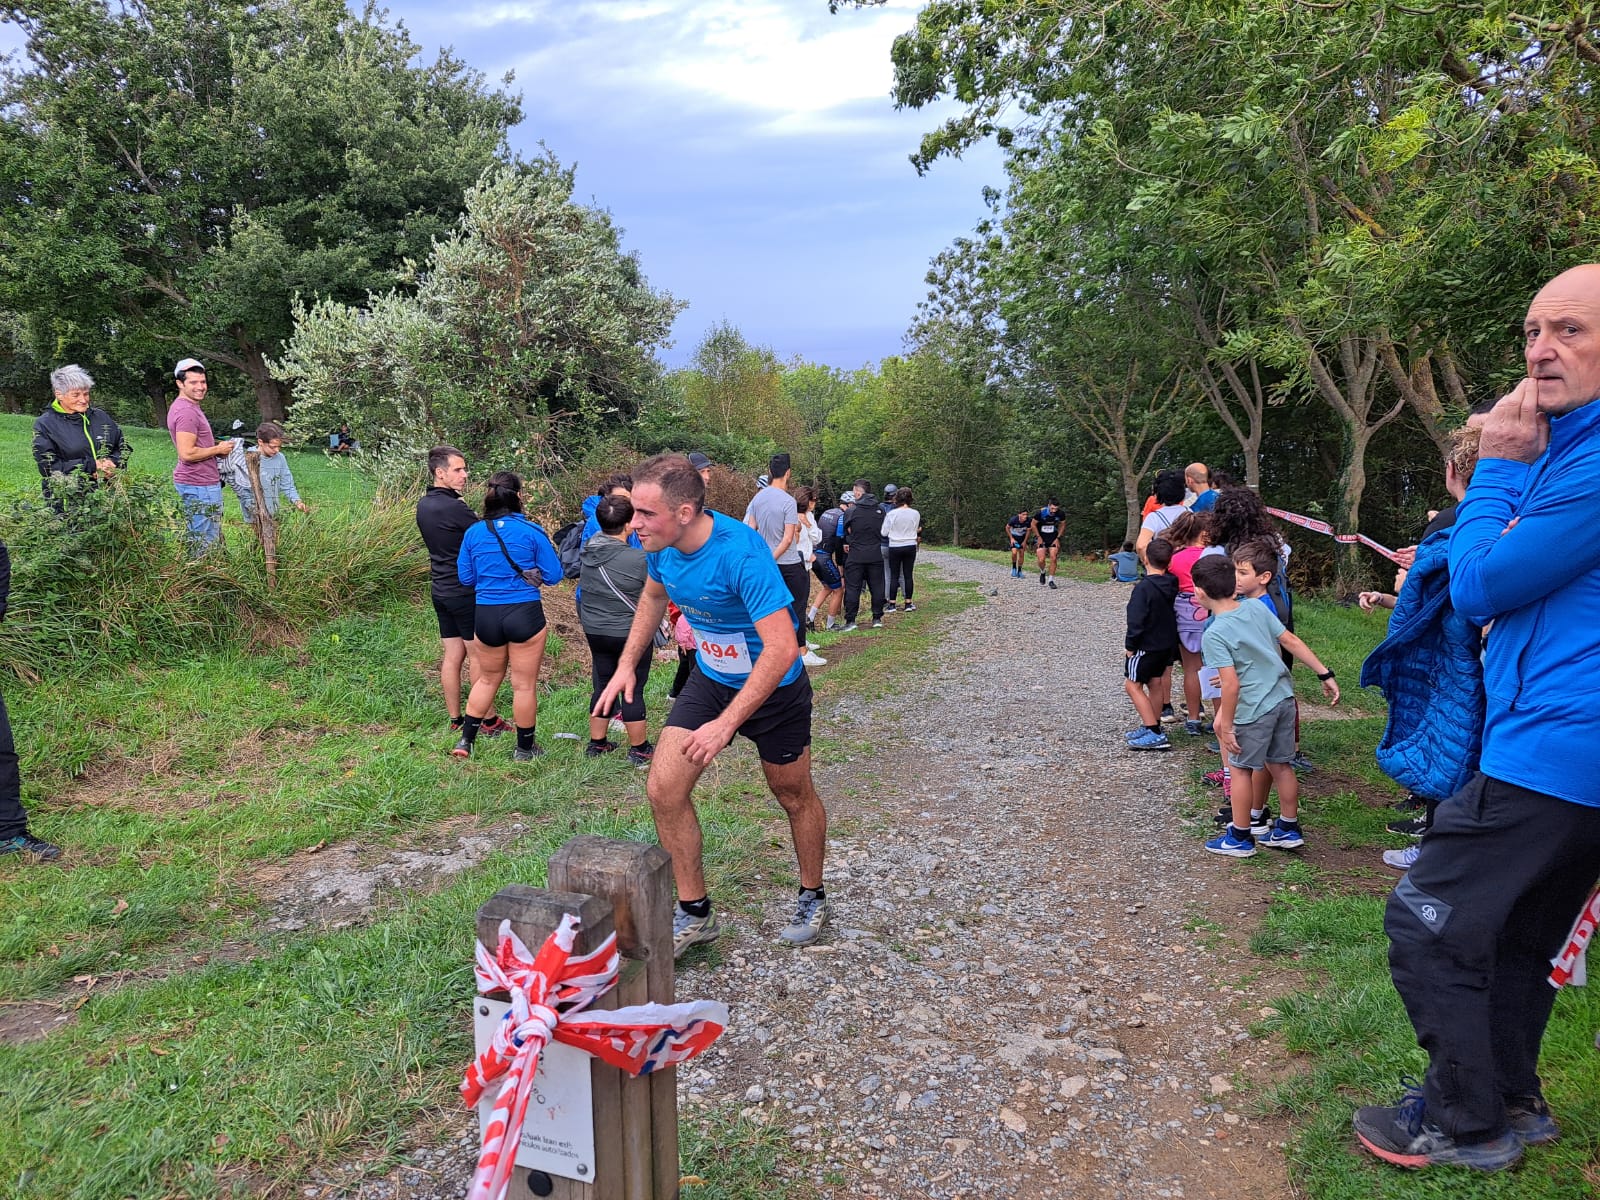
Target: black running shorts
x,y
780,728
455,616
1148,665
500,624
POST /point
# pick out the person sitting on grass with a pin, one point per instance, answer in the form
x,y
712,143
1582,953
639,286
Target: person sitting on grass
x,y
613,576
1255,717
1124,564
1151,644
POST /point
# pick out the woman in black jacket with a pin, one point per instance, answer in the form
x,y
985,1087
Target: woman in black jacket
x,y
71,435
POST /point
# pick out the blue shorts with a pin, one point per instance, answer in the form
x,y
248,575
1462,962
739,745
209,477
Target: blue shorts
x,y
822,567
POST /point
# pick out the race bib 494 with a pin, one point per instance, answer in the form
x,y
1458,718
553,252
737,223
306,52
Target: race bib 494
x,y
726,653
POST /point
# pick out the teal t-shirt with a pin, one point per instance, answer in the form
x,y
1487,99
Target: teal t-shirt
x,y
1246,639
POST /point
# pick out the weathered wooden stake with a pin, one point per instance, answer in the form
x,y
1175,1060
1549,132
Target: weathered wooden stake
x,y
266,528
627,886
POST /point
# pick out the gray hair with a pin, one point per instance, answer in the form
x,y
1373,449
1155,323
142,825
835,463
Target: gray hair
x,y
70,378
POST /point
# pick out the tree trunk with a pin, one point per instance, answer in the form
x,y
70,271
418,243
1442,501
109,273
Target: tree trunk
x,y
1130,493
155,390
1350,564
269,395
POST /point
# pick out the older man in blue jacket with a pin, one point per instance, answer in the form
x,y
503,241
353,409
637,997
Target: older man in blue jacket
x,y
1510,858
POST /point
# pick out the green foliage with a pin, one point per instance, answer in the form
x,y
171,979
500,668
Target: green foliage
x,y
108,580
176,170
528,331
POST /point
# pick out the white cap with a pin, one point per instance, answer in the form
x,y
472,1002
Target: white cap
x,y
184,364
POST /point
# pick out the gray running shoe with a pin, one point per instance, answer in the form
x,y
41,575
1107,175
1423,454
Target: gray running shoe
x,y
528,755
687,929
811,913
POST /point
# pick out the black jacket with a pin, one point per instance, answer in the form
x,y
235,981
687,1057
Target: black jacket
x,y
1152,620
863,531
62,442
443,519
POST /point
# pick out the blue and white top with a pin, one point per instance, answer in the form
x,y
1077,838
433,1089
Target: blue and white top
x,y
481,564
723,589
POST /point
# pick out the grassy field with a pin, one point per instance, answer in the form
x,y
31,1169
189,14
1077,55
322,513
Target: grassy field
x,y
325,483
209,1045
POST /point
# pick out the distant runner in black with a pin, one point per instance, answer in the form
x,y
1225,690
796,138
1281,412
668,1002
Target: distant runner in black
x,y
1047,531
1017,530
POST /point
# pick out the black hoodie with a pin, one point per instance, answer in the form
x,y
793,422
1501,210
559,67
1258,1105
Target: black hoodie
x,y
863,531
64,442
1152,620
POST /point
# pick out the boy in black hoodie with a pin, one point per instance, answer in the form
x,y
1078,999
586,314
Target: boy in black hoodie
x,y
1151,644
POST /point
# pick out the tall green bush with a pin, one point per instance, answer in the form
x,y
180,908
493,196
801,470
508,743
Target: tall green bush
x,y
108,580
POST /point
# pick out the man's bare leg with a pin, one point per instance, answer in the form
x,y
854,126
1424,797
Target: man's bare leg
x,y
671,788
793,788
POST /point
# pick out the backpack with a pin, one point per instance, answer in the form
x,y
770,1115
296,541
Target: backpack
x,y
569,545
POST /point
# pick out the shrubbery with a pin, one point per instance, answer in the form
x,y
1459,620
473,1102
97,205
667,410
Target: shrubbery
x,y
109,581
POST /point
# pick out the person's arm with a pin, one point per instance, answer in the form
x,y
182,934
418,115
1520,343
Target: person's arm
x,y
1500,559
190,451
646,619
778,654
785,542
44,452
547,558
1371,600
1138,618
120,449
286,487
1302,653
464,568
1222,723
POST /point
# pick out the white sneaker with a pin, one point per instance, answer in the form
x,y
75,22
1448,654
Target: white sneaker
x,y
812,646
813,660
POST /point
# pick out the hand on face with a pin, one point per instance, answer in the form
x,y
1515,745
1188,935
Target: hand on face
x,y
1515,428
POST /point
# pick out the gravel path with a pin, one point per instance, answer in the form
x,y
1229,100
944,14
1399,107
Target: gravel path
x,y
1032,987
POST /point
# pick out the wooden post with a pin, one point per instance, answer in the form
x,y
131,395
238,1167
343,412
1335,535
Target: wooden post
x,y
626,886
266,528
636,879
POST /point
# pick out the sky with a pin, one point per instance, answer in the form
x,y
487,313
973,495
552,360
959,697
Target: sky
x,y
748,148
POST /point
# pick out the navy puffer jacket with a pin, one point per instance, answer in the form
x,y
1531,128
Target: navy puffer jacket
x,y
1430,669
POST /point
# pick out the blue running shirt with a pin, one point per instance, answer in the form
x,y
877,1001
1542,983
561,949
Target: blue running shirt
x,y
724,588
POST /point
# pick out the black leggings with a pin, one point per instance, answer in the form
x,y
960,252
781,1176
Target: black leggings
x,y
605,653
901,560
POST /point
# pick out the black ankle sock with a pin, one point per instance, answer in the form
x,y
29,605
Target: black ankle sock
x,y
525,738
1154,728
600,741
455,722
818,891
644,745
469,727
696,908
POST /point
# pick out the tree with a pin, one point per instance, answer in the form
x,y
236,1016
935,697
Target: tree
x,y
175,171
529,330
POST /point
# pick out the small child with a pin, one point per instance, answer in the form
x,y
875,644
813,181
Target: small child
x,y
1255,718
1124,564
1256,564
1151,645
277,481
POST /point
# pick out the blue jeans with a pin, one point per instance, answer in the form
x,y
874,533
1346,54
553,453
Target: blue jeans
x,y
202,508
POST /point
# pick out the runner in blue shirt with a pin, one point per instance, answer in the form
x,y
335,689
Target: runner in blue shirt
x,y
747,680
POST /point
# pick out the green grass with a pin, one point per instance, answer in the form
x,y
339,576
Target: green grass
x,y
1347,1023
328,484
213,1053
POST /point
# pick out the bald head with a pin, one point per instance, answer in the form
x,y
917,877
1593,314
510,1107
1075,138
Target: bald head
x,y
1197,476
1561,340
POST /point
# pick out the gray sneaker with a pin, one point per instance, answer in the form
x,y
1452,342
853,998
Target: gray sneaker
x,y
811,913
687,929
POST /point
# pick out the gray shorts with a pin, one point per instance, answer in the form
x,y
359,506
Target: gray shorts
x,y
1270,739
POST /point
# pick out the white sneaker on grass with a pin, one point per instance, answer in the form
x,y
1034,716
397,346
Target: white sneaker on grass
x,y
813,660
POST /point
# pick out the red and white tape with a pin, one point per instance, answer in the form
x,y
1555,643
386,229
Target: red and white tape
x,y
1348,539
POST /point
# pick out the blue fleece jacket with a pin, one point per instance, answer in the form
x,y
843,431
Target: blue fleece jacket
x,y
481,564
1540,585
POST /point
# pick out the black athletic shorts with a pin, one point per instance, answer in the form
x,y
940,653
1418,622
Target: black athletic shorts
x,y
780,728
1047,540
499,624
455,616
1148,665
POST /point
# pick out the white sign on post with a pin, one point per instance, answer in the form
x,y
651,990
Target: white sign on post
x,y
558,1135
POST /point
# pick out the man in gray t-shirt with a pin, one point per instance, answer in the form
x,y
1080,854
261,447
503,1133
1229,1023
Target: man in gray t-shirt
x,y
774,515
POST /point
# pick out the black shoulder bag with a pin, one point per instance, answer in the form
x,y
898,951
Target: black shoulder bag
x,y
531,576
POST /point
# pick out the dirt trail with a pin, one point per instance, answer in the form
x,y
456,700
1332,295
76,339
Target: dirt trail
x,y
1037,983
